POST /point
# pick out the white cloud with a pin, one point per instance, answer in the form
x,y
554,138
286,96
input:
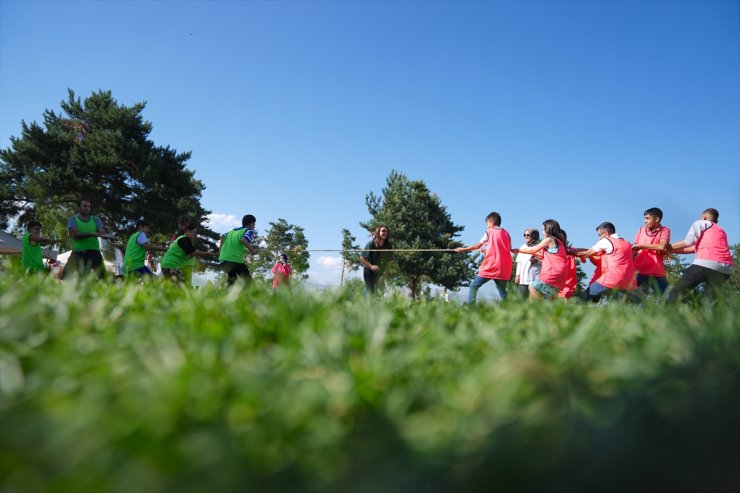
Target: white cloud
x,y
330,262
327,271
221,223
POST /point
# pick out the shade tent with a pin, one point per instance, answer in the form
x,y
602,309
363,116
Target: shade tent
x,y
109,266
10,245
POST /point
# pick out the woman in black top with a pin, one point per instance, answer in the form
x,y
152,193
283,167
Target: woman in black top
x,y
374,260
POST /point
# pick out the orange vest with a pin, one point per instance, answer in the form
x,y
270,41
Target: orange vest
x,y
497,263
572,282
618,269
650,262
712,245
555,267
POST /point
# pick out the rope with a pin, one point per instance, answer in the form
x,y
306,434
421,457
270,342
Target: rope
x,y
299,250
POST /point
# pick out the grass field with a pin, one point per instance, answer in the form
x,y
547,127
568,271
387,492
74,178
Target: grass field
x,y
124,388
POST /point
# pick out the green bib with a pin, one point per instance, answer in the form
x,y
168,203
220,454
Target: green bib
x,y
31,256
175,257
135,254
233,249
90,243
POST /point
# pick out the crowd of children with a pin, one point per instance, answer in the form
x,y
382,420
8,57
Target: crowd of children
x,y
545,268
139,260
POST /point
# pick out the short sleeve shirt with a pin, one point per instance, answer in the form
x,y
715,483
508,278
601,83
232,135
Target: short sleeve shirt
x,y
376,256
141,239
186,244
71,223
604,245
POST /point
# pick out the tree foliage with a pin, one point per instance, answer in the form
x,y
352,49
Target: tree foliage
x,y
99,149
350,259
417,219
282,237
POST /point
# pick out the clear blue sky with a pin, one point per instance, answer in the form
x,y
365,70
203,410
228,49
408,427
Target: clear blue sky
x,y
579,111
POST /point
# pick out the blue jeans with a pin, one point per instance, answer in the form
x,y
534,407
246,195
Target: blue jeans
x,y
594,292
480,281
653,282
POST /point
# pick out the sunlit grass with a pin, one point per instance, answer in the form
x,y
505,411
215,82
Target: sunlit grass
x,y
108,387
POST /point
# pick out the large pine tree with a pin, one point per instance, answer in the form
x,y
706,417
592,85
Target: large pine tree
x,y
97,148
417,219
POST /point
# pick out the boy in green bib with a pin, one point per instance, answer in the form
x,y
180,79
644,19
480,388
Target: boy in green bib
x,y
233,246
180,252
134,260
187,267
31,258
85,229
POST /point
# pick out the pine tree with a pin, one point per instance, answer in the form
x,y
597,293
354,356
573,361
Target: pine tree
x,y
350,260
282,237
417,219
98,149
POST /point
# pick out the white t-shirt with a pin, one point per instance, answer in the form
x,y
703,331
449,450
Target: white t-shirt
x,y
525,269
604,245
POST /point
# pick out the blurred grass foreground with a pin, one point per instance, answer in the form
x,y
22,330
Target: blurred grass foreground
x,y
127,388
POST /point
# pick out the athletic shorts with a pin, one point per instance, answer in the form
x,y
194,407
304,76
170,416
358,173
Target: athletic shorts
x,y
546,290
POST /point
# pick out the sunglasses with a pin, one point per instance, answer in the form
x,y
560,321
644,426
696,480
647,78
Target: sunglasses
x,y
527,235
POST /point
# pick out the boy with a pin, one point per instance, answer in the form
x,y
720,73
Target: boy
x,y
31,258
134,261
713,262
233,246
187,268
180,251
618,269
497,263
650,244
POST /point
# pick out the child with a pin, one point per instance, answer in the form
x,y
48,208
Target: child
x,y
31,258
554,273
187,268
650,244
179,252
233,246
527,266
618,270
134,260
497,263
282,271
713,262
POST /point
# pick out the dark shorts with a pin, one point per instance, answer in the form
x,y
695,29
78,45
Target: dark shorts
x,y
84,262
175,275
144,271
236,270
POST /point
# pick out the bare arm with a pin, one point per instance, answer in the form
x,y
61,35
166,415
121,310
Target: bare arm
x,y
100,234
42,240
469,249
543,245
253,249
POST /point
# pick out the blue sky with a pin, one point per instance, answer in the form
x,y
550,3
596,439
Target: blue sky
x,y
579,111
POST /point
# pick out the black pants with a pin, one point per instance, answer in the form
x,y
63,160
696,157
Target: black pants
x,y
84,262
695,275
372,279
236,270
523,290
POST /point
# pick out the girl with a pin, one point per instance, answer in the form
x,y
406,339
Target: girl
x,y
554,273
281,271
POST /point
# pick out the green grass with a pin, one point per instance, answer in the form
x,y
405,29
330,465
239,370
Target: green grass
x,y
128,388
